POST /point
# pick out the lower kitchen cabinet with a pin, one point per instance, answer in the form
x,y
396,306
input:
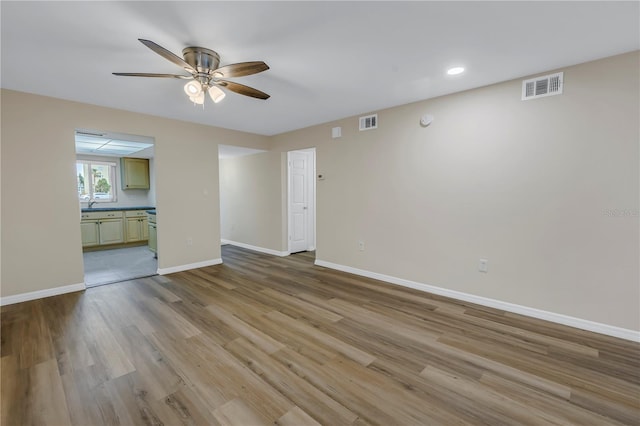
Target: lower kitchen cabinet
x,y
153,238
111,231
153,233
90,230
105,228
137,226
113,227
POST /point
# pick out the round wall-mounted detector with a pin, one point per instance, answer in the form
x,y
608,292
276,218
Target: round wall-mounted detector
x,y
426,119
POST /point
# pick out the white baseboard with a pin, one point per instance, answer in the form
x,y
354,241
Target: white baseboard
x,y
583,324
255,248
180,268
40,294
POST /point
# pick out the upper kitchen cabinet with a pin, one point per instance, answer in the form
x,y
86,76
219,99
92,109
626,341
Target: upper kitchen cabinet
x,y
134,173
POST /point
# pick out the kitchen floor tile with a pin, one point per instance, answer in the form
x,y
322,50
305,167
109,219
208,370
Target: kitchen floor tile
x,y
108,266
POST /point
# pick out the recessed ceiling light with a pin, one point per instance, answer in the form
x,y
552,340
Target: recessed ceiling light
x,y
455,70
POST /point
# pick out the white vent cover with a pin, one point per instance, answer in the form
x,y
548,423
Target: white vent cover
x,y
547,85
369,122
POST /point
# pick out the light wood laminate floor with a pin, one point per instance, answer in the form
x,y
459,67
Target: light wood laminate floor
x,y
264,340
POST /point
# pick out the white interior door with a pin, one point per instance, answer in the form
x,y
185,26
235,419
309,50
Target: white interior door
x,y
301,201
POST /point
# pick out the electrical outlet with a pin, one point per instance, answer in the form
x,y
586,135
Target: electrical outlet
x,y
483,265
189,242
361,245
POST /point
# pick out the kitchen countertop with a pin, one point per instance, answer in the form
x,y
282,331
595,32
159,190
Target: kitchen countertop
x,y
116,209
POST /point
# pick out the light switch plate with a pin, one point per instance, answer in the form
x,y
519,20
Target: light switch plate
x,y
483,265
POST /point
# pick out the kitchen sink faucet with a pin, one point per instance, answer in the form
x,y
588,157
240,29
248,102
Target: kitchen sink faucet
x,y
91,203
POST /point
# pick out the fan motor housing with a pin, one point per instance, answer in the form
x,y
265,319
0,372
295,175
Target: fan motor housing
x,y
203,60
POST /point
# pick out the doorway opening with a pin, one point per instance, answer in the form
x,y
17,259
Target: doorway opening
x,y
301,196
115,182
240,196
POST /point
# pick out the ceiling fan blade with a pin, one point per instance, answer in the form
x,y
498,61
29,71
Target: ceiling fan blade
x,y
167,55
241,69
242,89
144,74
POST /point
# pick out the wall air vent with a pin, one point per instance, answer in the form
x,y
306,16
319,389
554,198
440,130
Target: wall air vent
x,y
547,85
369,122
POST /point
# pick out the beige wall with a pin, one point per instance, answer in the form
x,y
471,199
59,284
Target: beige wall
x,y
41,246
251,200
527,185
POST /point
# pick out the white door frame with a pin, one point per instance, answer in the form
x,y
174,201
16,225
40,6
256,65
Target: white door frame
x,y
311,188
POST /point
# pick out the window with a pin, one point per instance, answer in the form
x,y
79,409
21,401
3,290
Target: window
x,y
96,181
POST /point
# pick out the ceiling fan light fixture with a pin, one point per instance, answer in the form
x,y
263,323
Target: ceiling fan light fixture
x,y
216,94
193,88
198,99
204,66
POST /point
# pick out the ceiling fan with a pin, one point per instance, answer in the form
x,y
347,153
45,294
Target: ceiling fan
x,y
205,73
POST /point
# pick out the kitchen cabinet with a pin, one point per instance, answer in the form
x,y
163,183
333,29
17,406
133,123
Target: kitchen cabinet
x,y
153,238
101,228
111,231
90,233
134,173
137,226
153,233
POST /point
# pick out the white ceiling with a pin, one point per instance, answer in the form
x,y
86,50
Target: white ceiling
x,y
328,60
